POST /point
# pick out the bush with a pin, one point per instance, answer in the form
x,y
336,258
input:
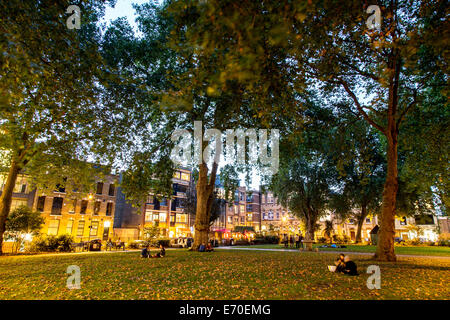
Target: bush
x,y
260,239
444,243
164,242
322,240
62,243
135,245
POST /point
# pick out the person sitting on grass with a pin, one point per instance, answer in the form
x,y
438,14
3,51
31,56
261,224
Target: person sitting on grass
x,y
201,248
161,253
145,253
209,248
349,267
340,264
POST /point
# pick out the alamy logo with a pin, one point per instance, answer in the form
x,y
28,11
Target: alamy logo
x,y
257,143
73,281
374,20
374,281
74,21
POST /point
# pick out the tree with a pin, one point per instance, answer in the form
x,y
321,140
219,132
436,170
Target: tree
x,y
23,221
167,90
303,185
328,229
51,118
326,45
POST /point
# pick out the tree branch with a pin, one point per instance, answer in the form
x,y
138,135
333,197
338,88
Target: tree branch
x,y
360,108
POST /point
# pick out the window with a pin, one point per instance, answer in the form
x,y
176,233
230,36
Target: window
x,y
242,219
73,206
182,218
236,209
112,190
57,205
148,215
176,174
230,219
162,217
99,187
69,227
17,203
249,217
242,207
172,218
185,176
97,207
84,204
109,208
80,229
94,228
367,220
249,208
278,215
53,227
150,199
24,188
40,204
163,202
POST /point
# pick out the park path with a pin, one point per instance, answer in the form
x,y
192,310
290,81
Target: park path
x,y
333,252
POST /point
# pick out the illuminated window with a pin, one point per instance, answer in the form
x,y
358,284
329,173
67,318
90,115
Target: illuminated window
x,y
97,207
230,219
242,208
94,228
69,227
80,229
17,203
185,176
182,218
148,215
163,216
53,227
72,206
236,209
176,174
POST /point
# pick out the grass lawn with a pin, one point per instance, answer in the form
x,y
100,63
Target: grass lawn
x,y
411,250
226,274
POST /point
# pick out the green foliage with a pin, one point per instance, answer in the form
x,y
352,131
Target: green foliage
x,y
62,243
21,221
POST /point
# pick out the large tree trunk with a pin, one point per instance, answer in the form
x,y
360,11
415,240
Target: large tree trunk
x,y
361,219
385,247
204,203
6,198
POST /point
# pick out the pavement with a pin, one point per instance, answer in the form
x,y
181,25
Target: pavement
x,y
332,252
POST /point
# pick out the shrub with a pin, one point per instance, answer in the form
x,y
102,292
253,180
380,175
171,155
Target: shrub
x,y
62,243
135,245
444,243
322,240
164,242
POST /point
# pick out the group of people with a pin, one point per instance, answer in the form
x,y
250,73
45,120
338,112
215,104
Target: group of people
x,y
205,248
145,253
289,241
345,265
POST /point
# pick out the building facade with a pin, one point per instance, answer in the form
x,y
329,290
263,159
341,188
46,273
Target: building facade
x,y
168,214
